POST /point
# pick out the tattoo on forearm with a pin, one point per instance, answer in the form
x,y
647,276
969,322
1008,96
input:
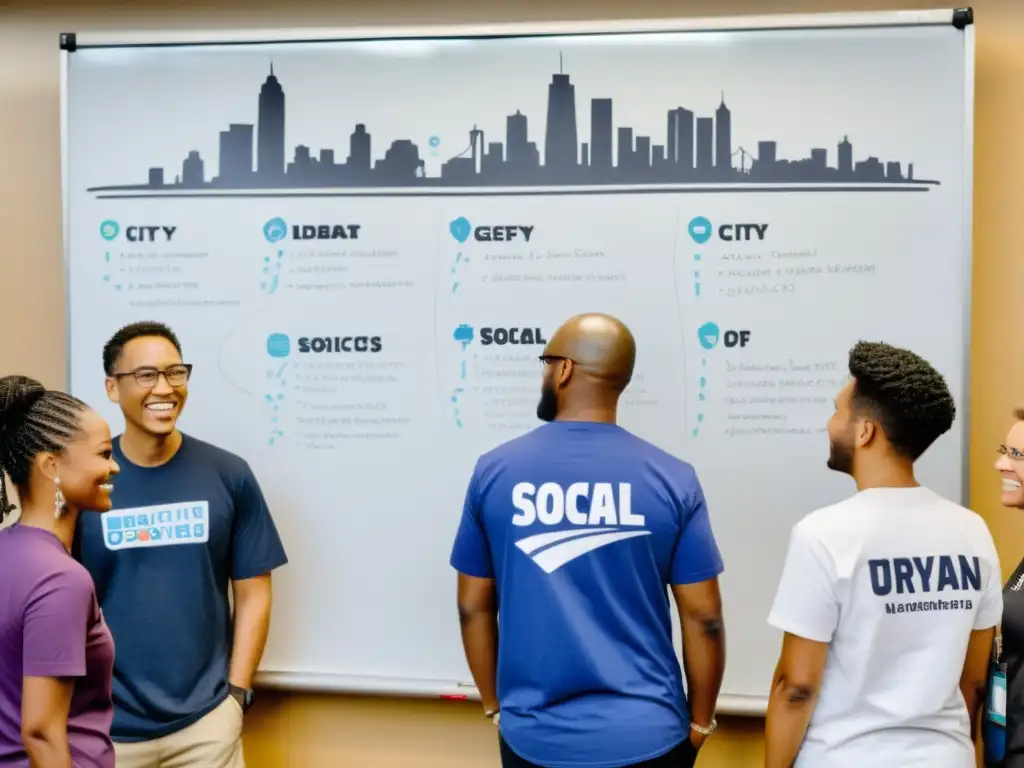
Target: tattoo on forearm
x,y
712,628
799,694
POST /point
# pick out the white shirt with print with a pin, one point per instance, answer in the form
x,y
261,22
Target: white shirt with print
x,y
895,580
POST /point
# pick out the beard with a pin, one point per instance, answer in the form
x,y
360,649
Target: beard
x,y
547,408
840,457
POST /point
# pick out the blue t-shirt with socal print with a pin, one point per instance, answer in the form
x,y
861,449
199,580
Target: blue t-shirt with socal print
x,y
583,527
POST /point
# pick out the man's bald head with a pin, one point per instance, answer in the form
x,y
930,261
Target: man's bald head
x,y
591,357
600,345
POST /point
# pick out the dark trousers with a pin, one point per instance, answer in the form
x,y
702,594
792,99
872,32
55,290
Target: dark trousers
x,y
683,756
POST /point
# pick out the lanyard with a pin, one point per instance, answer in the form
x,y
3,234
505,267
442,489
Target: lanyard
x,y
995,709
994,725
996,705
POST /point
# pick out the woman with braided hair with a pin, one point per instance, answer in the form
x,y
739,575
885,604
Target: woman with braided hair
x,y
56,653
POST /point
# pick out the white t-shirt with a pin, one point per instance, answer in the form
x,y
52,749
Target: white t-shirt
x,y
895,580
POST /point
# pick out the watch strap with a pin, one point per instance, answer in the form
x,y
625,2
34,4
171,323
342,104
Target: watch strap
x,y
243,696
705,730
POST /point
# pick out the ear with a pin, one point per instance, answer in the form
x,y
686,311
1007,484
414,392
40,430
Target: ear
x,y
46,463
565,372
866,432
113,393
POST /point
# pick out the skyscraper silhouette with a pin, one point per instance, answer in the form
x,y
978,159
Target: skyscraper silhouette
x,y
236,153
705,145
560,147
516,137
723,141
270,152
192,173
845,157
359,155
679,145
601,134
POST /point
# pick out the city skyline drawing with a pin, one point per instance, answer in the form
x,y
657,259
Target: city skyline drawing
x,y
692,150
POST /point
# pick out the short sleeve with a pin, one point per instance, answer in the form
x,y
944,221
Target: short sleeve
x,y
256,546
990,612
471,552
55,625
696,557
805,601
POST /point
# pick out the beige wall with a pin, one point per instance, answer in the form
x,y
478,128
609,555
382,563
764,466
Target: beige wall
x,y
299,730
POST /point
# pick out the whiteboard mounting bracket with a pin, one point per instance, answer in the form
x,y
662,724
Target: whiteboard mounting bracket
x,y
68,42
963,17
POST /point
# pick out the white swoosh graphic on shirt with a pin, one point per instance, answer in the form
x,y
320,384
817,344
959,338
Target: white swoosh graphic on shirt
x,y
565,546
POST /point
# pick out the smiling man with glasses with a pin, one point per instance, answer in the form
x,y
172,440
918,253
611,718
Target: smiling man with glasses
x,y
189,519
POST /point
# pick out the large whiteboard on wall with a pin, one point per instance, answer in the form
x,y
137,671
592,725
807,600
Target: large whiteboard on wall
x,y
337,227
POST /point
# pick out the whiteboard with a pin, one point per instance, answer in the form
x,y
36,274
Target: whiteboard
x,y
336,223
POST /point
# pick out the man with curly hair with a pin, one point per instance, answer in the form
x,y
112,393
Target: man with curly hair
x,y
888,600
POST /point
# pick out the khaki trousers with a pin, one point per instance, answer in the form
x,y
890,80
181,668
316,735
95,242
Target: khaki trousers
x,y
215,741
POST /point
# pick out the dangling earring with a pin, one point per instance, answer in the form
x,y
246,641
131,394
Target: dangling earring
x,y
58,500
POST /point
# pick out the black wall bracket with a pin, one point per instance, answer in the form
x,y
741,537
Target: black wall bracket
x,y
68,42
963,17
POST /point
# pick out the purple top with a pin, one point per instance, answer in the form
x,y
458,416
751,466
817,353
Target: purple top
x,y
51,626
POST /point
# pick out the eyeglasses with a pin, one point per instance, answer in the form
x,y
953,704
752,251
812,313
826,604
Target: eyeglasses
x,y
545,359
1013,453
147,378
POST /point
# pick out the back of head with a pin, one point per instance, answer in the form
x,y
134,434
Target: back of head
x,y
33,420
600,345
904,394
588,363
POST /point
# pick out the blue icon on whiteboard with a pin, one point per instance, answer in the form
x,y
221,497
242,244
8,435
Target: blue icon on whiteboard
x,y
275,230
708,335
278,345
109,229
435,142
460,229
700,230
464,335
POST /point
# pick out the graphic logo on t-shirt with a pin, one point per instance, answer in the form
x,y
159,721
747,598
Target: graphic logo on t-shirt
x,y
930,578
600,514
160,525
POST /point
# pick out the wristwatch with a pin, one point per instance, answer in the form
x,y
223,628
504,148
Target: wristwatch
x,y
243,696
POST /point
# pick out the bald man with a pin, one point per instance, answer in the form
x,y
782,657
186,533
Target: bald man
x,y
572,534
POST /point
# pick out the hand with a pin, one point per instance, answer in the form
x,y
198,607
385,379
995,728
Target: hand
x,y
697,740
494,713
239,697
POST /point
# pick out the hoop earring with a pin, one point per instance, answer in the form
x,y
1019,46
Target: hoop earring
x,y
58,500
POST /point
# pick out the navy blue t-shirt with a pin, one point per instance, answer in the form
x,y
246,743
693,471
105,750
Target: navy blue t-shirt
x,y
583,526
162,561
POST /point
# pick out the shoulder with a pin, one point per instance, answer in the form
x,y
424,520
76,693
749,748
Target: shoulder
x,y
962,516
232,469
61,578
37,559
510,453
664,463
669,477
517,446
210,455
828,526
966,523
